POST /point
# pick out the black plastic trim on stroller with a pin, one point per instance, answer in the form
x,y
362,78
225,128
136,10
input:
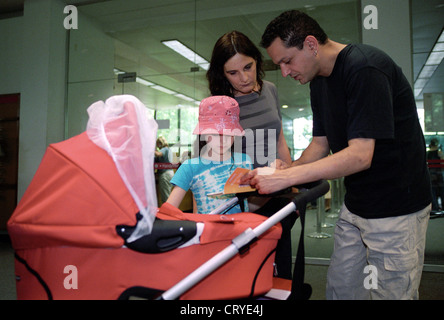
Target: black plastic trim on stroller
x,y
165,235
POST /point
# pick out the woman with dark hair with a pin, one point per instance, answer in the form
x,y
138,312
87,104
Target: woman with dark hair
x,y
236,71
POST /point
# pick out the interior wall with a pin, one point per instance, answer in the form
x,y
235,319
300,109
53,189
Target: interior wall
x,y
42,84
392,30
11,35
90,77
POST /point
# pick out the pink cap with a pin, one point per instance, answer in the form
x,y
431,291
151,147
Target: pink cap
x,y
219,115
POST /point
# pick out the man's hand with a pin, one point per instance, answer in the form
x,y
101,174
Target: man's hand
x,y
279,164
266,180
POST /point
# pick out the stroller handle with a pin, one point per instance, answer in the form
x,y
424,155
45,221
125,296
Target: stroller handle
x,y
310,191
307,193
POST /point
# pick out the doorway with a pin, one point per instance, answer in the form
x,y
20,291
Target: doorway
x,y
9,139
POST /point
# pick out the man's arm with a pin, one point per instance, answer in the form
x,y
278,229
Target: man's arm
x,y
282,148
317,149
356,157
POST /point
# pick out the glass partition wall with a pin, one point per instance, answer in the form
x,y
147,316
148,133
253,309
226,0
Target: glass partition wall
x,y
120,48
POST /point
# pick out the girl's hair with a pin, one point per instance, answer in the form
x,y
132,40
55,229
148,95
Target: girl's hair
x,y
292,27
225,48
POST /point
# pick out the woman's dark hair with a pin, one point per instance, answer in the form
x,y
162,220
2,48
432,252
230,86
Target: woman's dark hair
x,y
293,27
225,48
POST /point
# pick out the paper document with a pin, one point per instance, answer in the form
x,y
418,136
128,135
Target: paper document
x,y
233,184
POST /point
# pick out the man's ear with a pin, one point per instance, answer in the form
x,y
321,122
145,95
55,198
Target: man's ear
x,y
311,42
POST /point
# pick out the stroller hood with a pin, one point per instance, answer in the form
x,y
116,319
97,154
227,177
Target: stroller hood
x,y
76,198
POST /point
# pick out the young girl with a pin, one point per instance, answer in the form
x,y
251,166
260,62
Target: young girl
x,y
218,124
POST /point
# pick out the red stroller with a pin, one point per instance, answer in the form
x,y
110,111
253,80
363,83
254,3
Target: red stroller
x,y
71,233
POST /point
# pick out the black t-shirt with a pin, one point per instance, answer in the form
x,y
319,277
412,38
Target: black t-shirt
x,y
367,96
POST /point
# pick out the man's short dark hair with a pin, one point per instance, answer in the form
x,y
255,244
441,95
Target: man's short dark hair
x,y
293,27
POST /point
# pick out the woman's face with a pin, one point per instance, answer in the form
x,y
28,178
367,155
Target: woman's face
x,y
240,71
219,144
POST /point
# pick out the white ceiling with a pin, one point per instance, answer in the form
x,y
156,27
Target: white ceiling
x,y
138,26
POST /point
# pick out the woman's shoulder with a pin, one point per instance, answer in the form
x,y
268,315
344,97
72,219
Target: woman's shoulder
x,y
268,85
269,88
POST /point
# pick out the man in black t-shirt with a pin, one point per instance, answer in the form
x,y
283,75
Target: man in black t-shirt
x,y
364,112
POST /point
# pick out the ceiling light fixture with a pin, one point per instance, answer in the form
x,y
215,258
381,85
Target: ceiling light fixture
x,y
163,89
118,71
184,97
158,87
186,52
144,82
432,63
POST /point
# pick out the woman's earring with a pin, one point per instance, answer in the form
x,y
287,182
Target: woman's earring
x,y
315,53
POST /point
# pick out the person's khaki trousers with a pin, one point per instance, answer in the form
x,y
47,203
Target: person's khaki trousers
x,y
377,258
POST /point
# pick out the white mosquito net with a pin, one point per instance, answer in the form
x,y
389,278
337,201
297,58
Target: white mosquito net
x,y
123,127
